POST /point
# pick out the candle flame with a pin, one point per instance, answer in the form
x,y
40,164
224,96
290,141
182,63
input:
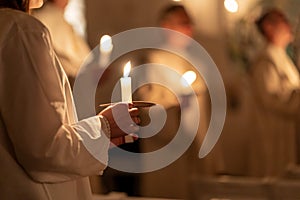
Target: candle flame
x,y
106,43
127,69
188,78
231,5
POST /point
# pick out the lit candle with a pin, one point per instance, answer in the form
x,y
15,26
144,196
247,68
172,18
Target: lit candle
x,y
187,80
106,47
126,84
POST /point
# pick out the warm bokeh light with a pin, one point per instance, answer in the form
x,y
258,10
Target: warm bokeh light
x,y
231,5
188,78
106,43
127,69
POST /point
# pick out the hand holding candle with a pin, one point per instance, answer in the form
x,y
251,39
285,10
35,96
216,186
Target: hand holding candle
x,y
121,121
126,84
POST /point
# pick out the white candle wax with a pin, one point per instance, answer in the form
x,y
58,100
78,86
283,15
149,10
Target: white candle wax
x,y
126,84
126,89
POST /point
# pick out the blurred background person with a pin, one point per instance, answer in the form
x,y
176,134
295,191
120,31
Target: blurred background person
x,y
70,48
167,68
172,18
275,82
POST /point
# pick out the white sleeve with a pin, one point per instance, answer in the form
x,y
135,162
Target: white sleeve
x,y
94,137
46,145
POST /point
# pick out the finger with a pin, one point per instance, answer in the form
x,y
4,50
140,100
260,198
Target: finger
x,y
117,141
134,136
136,120
130,105
133,128
134,112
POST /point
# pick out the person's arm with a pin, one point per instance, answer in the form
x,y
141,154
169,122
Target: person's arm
x,y
35,112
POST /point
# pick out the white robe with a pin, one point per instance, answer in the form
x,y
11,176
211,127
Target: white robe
x,y
276,86
44,152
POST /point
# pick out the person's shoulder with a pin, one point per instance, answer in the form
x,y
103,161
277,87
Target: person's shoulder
x,y
10,18
14,22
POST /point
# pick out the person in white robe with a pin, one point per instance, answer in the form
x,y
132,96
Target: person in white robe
x,y
45,152
167,69
70,48
276,85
